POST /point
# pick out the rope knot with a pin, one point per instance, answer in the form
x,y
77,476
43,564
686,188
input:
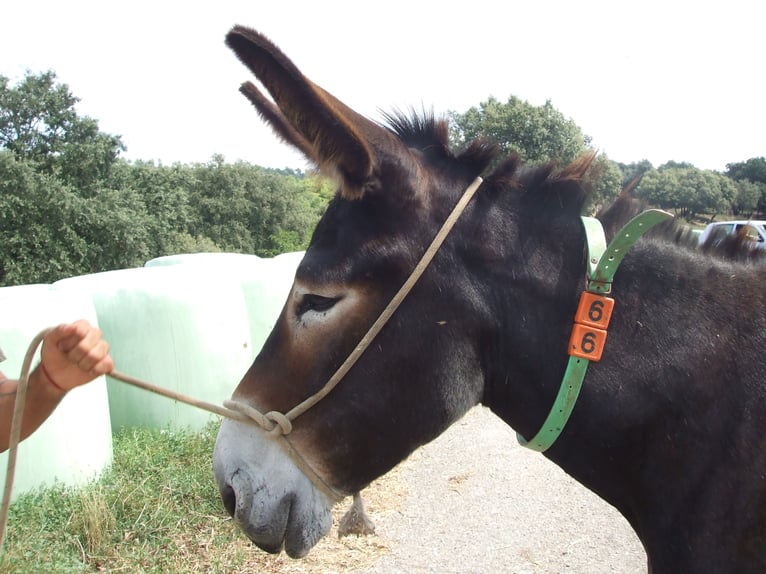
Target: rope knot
x,y
272,422
279,421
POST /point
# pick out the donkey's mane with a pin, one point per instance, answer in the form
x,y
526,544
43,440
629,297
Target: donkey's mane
x,y
552,186
430,135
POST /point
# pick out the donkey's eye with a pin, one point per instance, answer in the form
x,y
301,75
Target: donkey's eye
x,y
311,302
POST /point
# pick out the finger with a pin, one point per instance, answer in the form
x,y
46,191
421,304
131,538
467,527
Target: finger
x,y
67,337
88,357
78,347
103,367
61,332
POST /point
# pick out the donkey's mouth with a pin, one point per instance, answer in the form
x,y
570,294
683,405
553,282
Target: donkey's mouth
x,y
270,499
237,497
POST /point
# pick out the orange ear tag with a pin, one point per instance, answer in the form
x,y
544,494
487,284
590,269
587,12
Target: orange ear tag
x,y
589,331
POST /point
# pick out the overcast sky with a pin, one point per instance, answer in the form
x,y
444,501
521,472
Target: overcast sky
x,y
656,80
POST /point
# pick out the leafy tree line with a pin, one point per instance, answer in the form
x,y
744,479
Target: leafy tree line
x,y
537,134
542,133
697,194
69,205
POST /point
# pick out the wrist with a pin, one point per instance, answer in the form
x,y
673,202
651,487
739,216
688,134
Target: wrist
x,y
47,376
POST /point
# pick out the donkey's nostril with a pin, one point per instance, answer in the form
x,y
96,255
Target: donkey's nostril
x,y
229,498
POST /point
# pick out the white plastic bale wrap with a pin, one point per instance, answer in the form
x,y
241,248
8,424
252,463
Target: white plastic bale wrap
x,y
179,327
75,444
265,283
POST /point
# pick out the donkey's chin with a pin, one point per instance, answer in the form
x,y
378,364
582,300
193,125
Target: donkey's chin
x,y
270,499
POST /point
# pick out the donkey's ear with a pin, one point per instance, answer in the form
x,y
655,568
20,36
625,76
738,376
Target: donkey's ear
x,y
278,122
340,141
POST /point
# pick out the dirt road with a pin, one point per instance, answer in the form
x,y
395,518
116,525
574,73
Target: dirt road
x,y
474,501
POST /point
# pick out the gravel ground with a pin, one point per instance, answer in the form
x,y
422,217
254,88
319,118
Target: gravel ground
x,y
474,501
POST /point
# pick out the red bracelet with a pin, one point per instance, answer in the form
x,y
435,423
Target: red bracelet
x,y
50,379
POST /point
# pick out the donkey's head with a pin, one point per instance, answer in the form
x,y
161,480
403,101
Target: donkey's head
x,y
396,186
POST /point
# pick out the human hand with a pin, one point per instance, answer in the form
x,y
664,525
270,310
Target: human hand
x,y
75,354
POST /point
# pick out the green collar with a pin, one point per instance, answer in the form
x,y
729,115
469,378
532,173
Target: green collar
x,y
603,261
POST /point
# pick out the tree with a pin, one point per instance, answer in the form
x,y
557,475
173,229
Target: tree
x,y
37,243
218,195
164,191
536,133
48,231
675,165
632,171
753,169
750,181
69,205
604,182
250,209
39,123
749,196
687,190
117,228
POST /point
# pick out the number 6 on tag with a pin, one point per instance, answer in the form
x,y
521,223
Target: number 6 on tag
x,y
591,320
587,342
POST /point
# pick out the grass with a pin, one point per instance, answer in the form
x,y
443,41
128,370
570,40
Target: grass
x,y
157,510
157,502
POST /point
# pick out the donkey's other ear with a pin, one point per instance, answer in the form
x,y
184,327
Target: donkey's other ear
x,y
278,122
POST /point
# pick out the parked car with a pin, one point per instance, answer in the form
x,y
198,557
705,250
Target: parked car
x,y
755,230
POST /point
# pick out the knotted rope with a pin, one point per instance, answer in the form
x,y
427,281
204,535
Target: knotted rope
x,y
274,423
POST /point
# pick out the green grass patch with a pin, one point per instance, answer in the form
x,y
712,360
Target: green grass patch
x,y
156,509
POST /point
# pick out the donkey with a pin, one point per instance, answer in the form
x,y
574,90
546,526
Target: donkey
x,y
669,423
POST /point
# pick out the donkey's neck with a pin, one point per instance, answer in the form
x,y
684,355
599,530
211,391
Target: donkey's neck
x,y
648,424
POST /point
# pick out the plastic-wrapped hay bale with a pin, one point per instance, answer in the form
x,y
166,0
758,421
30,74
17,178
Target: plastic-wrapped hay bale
x,y
75,444
266,293
265,283
233,260
178,327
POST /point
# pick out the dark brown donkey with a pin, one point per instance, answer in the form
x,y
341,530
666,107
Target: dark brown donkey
x,y
670,425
